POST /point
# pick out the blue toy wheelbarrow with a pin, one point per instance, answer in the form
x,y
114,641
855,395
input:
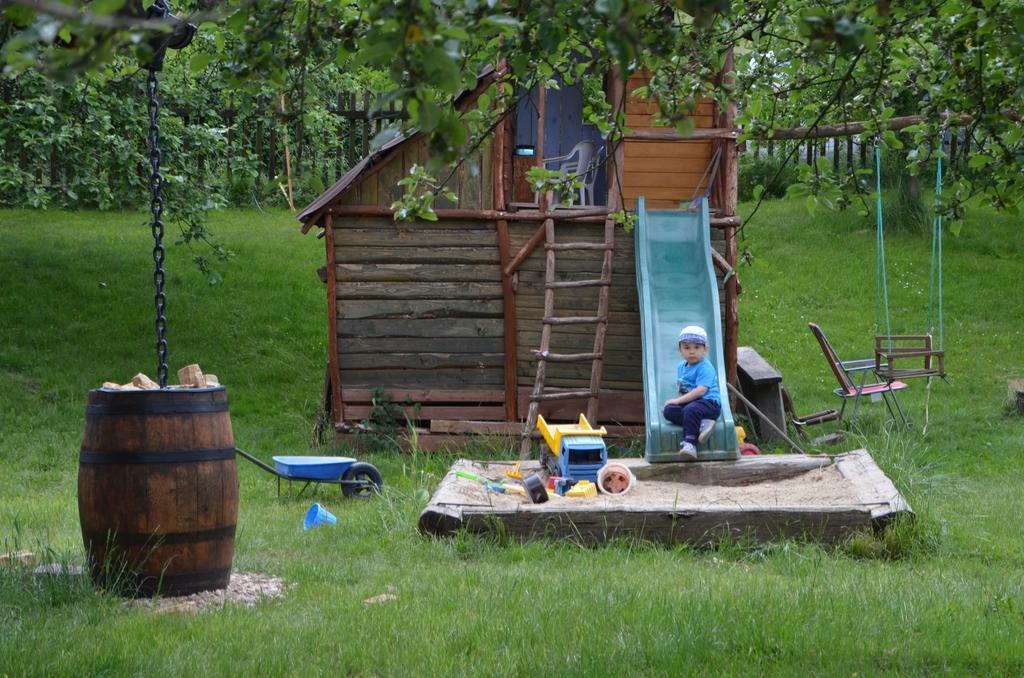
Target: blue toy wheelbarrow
x,y
357,479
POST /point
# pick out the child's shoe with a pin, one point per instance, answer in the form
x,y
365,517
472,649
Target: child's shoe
x,y
687,452
706,427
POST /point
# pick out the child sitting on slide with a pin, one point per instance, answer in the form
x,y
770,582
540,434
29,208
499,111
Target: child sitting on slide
x,y
698,404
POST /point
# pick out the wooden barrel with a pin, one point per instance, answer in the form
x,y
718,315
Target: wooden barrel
x,y
158,490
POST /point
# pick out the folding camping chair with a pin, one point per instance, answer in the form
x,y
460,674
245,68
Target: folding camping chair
x,y
846,373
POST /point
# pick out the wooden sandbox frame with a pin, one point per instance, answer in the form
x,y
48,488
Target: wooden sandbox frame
x,y
871,501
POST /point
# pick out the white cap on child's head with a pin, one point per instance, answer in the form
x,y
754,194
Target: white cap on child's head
x,y
694,334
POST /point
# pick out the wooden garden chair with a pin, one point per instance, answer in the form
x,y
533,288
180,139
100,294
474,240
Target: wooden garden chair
x,y
846,373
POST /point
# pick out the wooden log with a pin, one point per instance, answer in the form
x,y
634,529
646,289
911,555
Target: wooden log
x,y
524,251
620,299
346,273
442,378
577,214
140,380
625,318
508,299
428,328
413,235
615,92
425,441
672,135
437,412
580,340
386,254
369,361
189,375
620,358
414,344
420,308
439,290
850,128
514,428
725,222
429,395
573,284
583,371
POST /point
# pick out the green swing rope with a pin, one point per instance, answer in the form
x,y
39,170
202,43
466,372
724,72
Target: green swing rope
x,y
936,271
881,282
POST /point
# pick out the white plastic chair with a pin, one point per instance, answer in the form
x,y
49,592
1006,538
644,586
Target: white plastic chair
x,y
582,161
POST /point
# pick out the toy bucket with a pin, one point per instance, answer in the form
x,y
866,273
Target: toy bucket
x,y
316,516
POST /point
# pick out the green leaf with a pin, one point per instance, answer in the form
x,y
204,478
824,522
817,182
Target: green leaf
x,y
20,15
977,161
200,61
685,127
456,32
237,21
891,139
106,7
502,22
796,190
758,191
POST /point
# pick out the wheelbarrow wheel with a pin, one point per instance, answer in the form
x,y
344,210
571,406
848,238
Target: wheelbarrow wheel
x,y
362,481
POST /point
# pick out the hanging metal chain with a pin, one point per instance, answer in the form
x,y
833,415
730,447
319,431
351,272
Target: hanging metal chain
x,y
156,206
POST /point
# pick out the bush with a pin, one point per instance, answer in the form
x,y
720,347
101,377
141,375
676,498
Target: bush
x,y
764,171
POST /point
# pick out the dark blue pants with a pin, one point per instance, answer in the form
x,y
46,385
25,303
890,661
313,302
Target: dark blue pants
x,y
689,415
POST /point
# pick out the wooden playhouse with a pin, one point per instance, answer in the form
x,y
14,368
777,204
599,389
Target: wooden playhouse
x,y
449,314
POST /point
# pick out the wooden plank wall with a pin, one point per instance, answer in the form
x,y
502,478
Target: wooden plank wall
x,y
419,308
472,181
664,172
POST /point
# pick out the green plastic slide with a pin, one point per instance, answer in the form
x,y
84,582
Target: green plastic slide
x,y
676,281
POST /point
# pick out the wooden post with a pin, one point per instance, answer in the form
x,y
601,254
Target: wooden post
x,y
730,197
508,298
616,154
337,407
541,101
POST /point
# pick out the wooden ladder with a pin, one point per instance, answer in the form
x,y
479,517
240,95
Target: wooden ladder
x,y
600,320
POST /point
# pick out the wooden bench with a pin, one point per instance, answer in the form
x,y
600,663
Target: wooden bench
x,y
762,385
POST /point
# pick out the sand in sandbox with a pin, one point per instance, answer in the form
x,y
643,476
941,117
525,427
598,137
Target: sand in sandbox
x,y
823,486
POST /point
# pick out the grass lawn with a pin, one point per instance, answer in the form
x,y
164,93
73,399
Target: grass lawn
x,y
944,595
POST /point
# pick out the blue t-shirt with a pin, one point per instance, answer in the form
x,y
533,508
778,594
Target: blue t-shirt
x,y
689,377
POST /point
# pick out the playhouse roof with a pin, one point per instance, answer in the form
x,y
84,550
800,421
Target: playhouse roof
x,y
312,212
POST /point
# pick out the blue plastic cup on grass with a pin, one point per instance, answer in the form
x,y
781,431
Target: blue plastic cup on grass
x,y
316,516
